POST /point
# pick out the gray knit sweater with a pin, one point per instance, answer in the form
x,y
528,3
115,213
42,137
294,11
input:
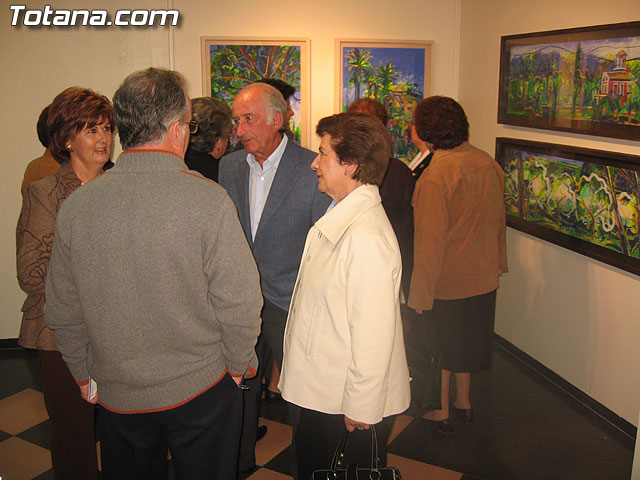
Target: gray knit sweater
x,y
152,289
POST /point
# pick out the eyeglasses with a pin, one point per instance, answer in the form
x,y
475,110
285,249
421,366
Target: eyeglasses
x,y
193,126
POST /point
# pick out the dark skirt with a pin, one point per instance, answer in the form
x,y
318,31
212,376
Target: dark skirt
x,y
464,330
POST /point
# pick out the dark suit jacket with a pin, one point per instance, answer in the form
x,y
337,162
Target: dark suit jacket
x,y
293,205
421,166
396,192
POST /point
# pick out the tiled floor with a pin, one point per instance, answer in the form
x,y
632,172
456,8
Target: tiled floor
x,y
525,428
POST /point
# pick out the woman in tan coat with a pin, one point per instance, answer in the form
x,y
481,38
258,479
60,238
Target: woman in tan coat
x,y
459,250
80,124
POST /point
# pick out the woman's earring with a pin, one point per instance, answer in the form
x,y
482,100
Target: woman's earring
x,y
69,148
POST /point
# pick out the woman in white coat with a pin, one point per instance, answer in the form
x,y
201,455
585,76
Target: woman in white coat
x,y
344,360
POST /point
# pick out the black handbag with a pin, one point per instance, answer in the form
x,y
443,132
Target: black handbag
x,y
338,471
424,361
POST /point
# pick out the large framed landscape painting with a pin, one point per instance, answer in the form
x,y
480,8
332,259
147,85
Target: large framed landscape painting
x,y
396,73
229,64
582,80
582,199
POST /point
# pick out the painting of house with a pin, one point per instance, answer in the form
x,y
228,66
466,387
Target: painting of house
x,y
584,82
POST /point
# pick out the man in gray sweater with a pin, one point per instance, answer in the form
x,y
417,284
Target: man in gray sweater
x,y
152,291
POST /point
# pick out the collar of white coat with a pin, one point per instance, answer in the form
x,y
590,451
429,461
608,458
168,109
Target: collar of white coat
x,y
336,221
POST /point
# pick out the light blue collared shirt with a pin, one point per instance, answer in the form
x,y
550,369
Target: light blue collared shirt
x,y
260,180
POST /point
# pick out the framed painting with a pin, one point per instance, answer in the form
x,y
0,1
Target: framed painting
x,y
581,80
396,73
582,199
230,64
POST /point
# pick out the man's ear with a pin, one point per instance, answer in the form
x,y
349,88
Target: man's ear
x,y
177,136
278,121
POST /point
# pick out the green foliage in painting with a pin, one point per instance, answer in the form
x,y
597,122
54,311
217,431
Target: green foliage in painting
x,y
593,202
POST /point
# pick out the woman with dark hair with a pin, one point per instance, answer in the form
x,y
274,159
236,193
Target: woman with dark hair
x,y
209,142
80,126
344,361
460,251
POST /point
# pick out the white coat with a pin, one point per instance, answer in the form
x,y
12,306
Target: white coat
x,y
343,344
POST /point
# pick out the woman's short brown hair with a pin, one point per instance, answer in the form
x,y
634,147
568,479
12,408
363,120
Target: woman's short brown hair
x,y
442,122
361,139
72,110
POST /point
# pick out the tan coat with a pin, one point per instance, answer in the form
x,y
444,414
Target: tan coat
x,y
39,168
34,238
343,344
460,229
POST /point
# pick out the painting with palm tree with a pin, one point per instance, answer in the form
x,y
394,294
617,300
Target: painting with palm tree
x,y
394,73
228,65
586,200
584,80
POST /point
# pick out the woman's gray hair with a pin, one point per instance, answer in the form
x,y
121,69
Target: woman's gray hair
x,y
214,121
146,103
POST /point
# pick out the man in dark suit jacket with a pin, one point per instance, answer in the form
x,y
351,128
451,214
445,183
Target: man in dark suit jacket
x,y
277,198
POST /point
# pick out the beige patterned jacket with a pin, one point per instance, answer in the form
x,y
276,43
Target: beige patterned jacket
x,y
34,238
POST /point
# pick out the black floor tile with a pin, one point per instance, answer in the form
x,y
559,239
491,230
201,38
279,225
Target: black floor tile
x,y
4,436
48,475
19,369
39,435
281,463
524,428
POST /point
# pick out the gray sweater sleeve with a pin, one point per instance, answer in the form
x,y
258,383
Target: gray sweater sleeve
x,y
62,309
234,290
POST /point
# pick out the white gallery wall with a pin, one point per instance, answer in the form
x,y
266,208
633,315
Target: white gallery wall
x,y
575,315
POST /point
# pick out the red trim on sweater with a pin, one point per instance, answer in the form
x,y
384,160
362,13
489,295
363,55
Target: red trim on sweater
x,y
83,382
170,407
152,150
197,176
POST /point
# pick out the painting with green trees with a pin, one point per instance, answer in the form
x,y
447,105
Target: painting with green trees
x,y
397,75
576,192
233,65
583,80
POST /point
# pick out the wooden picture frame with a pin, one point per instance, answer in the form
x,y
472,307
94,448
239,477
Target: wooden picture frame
x,y
581,80
397,73
581,199
231,63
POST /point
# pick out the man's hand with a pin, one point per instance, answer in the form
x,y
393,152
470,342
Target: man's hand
x,y
84,391
353,425
418,311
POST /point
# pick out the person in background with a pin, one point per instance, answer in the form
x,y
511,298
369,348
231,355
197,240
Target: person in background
x,y
344,362
44,165
277,199
209,142
80,127
460,251
396,192
423,157
164,320
287,92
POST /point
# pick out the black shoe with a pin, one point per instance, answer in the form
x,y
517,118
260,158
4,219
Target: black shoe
x,y
261,432
464,414
271,396
243,474
442,426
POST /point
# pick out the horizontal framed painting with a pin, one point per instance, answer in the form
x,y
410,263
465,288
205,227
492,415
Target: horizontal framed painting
x,y
582,80
585,200
230,64
396,73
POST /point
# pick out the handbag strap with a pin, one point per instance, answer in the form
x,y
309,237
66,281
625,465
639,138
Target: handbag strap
x,y
338,455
